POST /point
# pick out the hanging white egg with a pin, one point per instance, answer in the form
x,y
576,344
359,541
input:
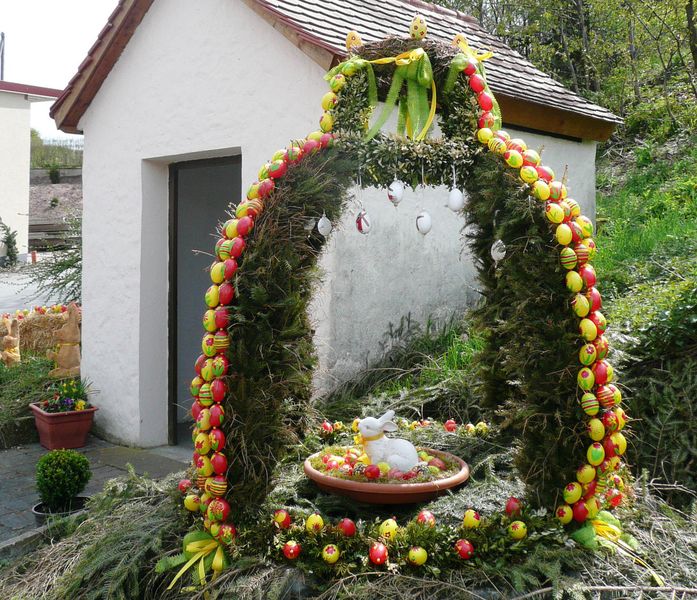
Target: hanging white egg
x,y
324,225
498,251
423,223
363,222
395,192
456,200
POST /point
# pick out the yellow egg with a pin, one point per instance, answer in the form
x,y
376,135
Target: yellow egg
x,y
528,174
330,554
563,234
353,39
620,443
484,135
326,122
564,514
418,28
593,507
354,425
417,556
471,519
580,305
517,530
595,454
554,213
388,529
585,379
329,100
596,430
384,468
540,190
572,492
588,330
497,145
585,474
314,523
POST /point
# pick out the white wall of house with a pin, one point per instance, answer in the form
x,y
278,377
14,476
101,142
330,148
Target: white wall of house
x,y
14,166
233,82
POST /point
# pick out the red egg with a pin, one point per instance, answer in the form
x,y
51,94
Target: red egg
x,y
217,439
291,550
378,553
587,273
196,408
372,472
218,510
198,365
513,507
477,83
601,370
310,147
237,247
545,173
595,299
326,140
609,447
471,66
486,119
611,423
347,527
437,462
281,518
531,159
426,517
589,489
226,292
605,396
244,226
277,169
599,319
266,186
450,425
219,462
576,231
184,485
218,390
580,511
221,317
327,427
485,100
217,415
464,549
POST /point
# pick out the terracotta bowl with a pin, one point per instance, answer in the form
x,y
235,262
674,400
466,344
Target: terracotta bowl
x,y
390,493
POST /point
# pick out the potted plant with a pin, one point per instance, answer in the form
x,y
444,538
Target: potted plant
x,y
64,420
60,476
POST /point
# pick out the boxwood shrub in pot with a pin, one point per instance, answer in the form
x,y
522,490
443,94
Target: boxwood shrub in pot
x,y
60,476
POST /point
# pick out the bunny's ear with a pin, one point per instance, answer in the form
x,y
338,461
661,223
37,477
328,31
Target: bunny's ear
x,y
14,328
388,416
389,426
7,323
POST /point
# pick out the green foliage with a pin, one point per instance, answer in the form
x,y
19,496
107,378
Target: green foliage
x,y
55,154
20,385
59,275
9,239
60,476
54,173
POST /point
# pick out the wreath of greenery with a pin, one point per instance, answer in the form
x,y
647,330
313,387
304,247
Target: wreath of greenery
x,y
530,361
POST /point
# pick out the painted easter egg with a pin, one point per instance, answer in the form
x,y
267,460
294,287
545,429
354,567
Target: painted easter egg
x,y
557,190
595,453
513,159
592,248
347,527
204,467
388,529
237,247
192,503
471,520
195,386
221,341
576,233
363,224
221,317
218,510
294,153
531,158
456,200
198,364
219,462
566,208
568,258
575,207
616,394
218,389
204,396
595,299
593,507
563,234
580,511
207,370
281,518
266,186
517,144
603,372
574,283
621,418
326,124
314,523
610,422
580,305
217,439
337,82
496,145
208,344
564,514
477,84
588,330
418,28
620,443
590,487
217,272
423,222
596,430
253,191
378,554
230,229
212,296
329,100
216,416
484,134
572,492
209,320
582,253
417,556
503,135
546,173
226,291
226,534
585,379
426,517
586,226
222,249
540,190
587,354
554,212
263,172
245,224
585,474
330,554
590,404
291,549
219,366
587,273
464,549
216,486
395,192
196,408
600,321
486,119
202,444
517,530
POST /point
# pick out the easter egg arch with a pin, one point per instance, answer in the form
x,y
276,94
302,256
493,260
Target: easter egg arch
x,y
540,312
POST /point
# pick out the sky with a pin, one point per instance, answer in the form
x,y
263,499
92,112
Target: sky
x,y
45,42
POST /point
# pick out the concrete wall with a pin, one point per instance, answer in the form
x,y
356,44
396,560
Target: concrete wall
x,y
14,166
235,83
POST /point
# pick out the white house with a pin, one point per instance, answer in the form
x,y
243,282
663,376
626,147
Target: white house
x,y
15,143
180,103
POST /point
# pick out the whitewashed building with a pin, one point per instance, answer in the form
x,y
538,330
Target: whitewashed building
x,y
180,103
15,143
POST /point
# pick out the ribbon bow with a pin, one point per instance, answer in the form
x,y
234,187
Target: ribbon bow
x,y
202,547
460,41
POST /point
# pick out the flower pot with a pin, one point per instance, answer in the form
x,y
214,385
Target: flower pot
x,y
41,513
63,429
389,493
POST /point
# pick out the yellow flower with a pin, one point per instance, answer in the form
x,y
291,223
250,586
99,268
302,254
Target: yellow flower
x,y
80,405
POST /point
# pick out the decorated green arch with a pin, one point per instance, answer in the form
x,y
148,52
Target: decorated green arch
x,y
544,362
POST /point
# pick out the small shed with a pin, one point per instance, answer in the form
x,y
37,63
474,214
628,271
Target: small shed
x,y
180,104
15,159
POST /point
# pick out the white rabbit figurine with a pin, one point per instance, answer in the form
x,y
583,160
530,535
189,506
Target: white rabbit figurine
x,y
399,454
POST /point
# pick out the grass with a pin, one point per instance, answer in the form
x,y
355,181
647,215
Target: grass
x,y
646,215
19,386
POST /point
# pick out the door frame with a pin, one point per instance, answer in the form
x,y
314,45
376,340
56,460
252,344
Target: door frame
x,y
173,223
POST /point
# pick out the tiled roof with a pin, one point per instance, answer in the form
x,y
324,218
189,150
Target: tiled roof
x,y
326,23
33,92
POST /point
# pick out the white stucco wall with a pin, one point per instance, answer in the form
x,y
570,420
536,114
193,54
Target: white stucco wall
x,y
14,166
233,82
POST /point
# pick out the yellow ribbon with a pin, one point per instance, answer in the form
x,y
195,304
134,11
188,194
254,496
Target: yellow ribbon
x,y
461,42
606,530
202,549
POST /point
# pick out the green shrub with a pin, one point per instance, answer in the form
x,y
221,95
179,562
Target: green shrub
x,y
9,239
60,476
